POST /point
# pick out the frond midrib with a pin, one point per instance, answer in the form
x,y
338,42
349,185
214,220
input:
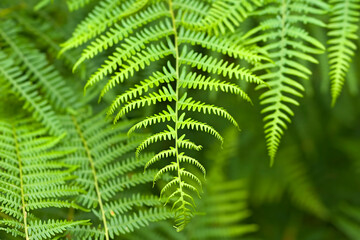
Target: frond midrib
x,y
93,170
176,120
23,207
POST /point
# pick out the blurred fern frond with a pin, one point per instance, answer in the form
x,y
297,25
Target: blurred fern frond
x,y
348,220
343,26
32,78
33,176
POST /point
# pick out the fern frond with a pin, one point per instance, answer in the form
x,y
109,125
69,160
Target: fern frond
x,y
108,168
162,32
199,126
33,176
25,90
36,67
126,224
287,44
343,27
164,94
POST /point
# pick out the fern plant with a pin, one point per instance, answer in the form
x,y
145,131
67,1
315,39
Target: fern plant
x,y
165,67
107,174
33,176
288,45
168,31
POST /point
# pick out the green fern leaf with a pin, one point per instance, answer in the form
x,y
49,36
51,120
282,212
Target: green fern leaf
x,y
36,66
13,77
163,31
287,43
342,32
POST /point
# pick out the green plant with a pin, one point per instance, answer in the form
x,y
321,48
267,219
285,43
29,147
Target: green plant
x,y
163,71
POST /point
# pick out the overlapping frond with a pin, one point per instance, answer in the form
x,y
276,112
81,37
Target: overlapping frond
x,y
12,76
30,76
343,26
33,175
289,177
107,169
144,32
288,45
36,66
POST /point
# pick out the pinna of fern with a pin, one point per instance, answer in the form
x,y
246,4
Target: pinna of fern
x,y
33,176
288,45
143,32
108,172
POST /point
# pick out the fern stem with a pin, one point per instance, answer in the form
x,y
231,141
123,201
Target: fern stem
x,y
21,183
92,165
177,66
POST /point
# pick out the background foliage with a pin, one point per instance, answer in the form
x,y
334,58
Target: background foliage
x,y
98,189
